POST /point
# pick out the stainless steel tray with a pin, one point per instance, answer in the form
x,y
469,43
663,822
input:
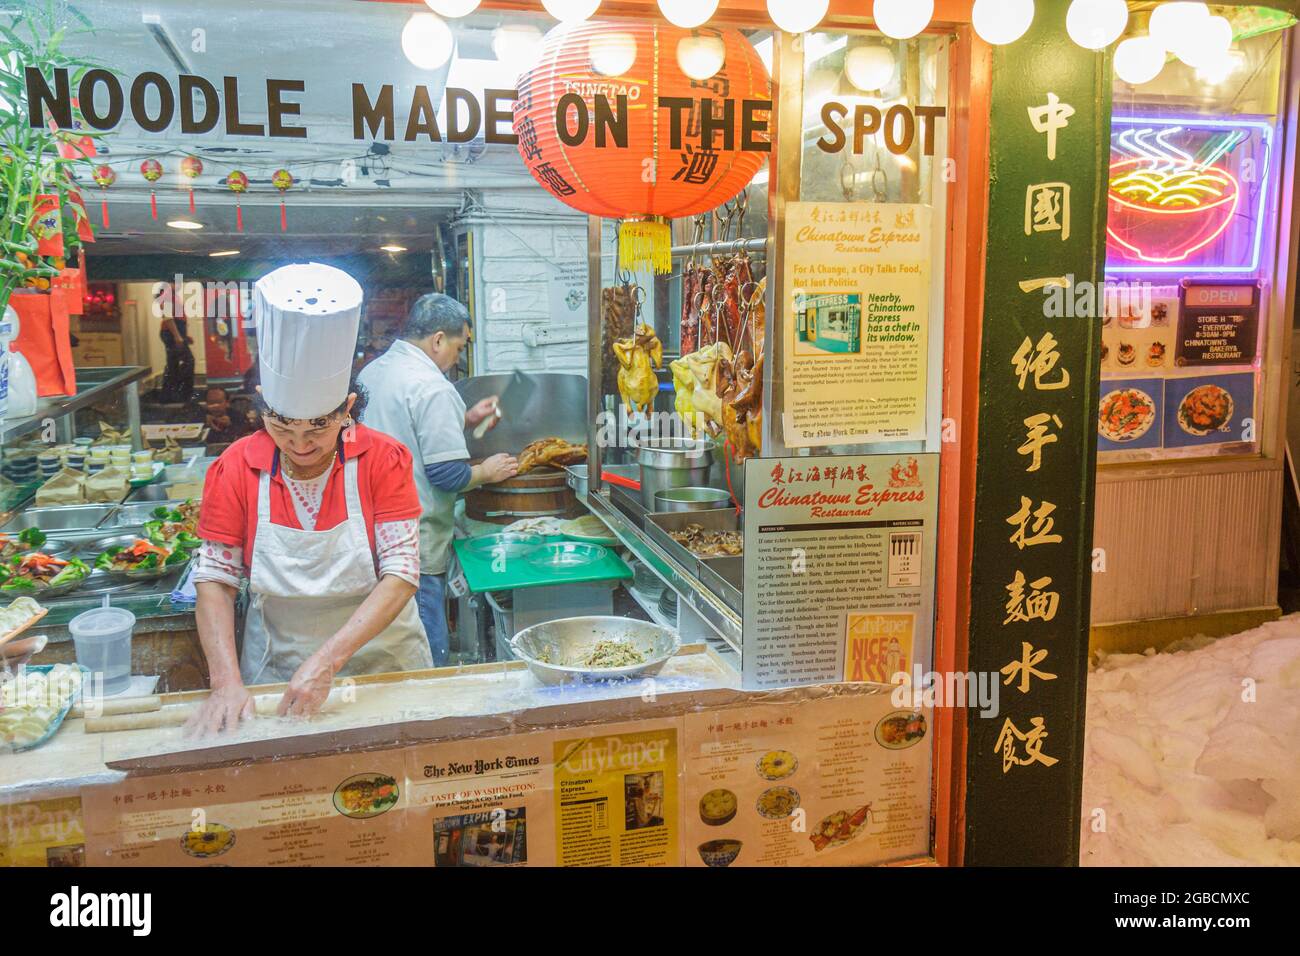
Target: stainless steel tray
x,y
725,577
658,526
60,518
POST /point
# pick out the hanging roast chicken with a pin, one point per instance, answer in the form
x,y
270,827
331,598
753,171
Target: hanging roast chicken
x,y
638,356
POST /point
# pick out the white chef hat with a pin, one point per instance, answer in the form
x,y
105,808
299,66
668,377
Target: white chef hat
x,y
307,318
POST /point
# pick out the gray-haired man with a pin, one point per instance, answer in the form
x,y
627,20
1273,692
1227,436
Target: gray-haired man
x,y
411,399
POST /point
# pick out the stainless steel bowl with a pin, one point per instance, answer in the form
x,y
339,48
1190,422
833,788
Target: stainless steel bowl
x,y
573,638
692,499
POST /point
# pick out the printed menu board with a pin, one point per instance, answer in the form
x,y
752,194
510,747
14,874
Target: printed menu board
x,y
839,567
616,796
832,782
857,311
341,810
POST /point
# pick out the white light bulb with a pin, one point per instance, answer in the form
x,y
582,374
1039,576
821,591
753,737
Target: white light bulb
x,y
902,19
571,11
1221,68
427,41
452,9
612,54
1139,60
701,57
869,67
1002,21
688,14
797,16
1170,22
517,44
1208,42
1096,24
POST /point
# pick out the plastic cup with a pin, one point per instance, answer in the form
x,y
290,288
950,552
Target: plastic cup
x,y
142,457
102,637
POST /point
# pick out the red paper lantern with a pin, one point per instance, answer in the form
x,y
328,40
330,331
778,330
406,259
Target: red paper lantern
x,y
104,177
152,171
282,180
191,169
610,124
237,183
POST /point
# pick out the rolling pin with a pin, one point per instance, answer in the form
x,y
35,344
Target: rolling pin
x,y
127,705
174,715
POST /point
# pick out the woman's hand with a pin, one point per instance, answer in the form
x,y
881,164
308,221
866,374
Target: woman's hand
x,y
221,710
308,689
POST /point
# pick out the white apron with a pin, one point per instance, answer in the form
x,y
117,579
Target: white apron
x,y
305,586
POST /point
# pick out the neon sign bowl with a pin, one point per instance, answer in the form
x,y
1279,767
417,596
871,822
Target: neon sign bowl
x,y
1164,212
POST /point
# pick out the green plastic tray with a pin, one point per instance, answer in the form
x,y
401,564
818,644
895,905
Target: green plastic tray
x,y
518,573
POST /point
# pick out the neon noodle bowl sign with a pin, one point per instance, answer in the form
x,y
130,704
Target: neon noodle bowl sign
x,y
1169,208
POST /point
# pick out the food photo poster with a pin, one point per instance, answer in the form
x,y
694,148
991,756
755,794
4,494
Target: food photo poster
x,y
1209,409
1130,414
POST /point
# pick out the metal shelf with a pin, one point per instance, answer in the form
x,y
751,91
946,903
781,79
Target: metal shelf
x,y
92,385
690,592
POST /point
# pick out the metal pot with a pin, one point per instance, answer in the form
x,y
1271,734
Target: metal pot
x,y
692,499
672,463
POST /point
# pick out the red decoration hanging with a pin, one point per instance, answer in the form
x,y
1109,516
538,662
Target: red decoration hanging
x,y
610,124
282,180
237,183
191,169
104,177
152,171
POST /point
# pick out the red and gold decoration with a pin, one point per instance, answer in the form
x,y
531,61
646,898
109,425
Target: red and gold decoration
x,y
237,183
610,124
282,180
191,169
47,225
104,177
152,171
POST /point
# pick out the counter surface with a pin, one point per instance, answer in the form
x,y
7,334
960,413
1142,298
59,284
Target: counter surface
x,y
384,711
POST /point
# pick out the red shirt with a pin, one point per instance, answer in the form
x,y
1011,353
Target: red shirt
x,y
229,510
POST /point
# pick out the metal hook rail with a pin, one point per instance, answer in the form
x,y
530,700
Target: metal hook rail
x,y
727,247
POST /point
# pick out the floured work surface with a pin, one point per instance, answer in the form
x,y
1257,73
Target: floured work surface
x,y
489,699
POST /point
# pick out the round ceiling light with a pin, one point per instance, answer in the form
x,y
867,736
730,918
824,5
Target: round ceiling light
x,y
797,16
427,41
1096,24
1002,21
688,14
701,57
902,19
1139,60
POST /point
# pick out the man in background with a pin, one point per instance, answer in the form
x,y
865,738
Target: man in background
x,y
412,400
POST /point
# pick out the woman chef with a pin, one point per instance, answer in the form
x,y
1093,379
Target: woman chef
x,y
319,513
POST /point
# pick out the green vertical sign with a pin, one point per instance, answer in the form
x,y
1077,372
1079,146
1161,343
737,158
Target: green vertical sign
x,y
1030,588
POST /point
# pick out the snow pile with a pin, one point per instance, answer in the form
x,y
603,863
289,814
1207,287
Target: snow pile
x,y
1193,756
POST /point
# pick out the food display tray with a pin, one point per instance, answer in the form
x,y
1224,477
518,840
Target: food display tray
x,y
725,577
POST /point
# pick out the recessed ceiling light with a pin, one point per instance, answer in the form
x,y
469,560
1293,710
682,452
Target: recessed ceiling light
x,y
184,224
393,247
223,252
